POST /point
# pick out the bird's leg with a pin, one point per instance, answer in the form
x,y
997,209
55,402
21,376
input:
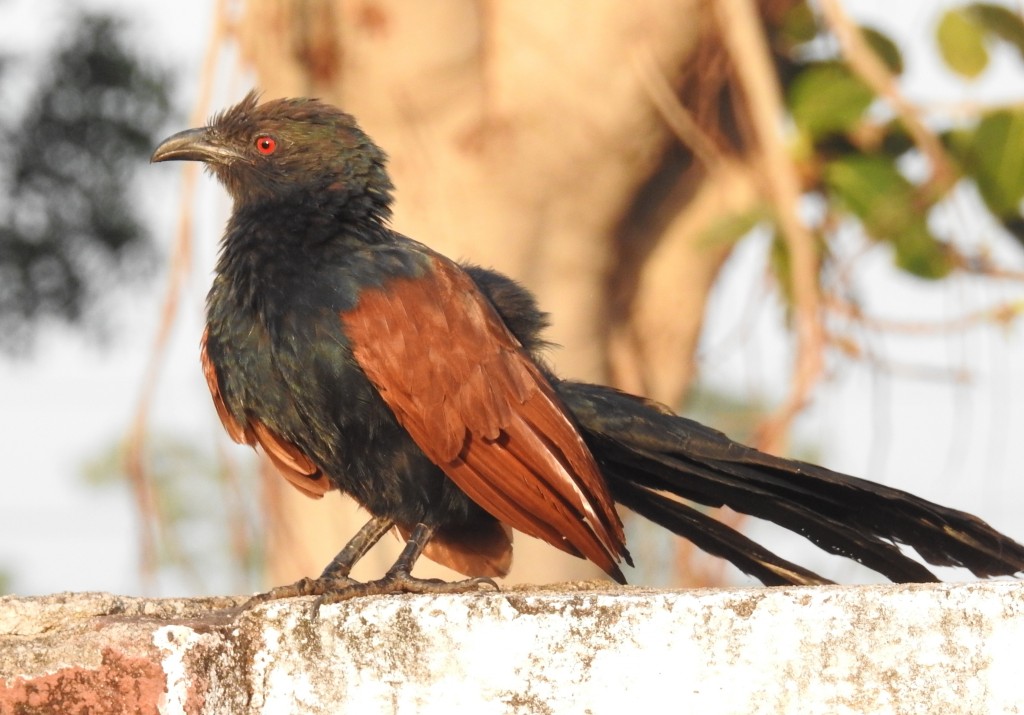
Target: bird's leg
x,y
356,548
335,576
399,578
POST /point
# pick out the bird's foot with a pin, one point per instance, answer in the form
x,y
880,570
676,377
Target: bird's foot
x,y
401,582
302,587
335,590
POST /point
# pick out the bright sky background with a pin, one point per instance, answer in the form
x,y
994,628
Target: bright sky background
x,y
957,443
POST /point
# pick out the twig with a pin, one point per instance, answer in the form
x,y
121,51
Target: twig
x,y
1002,314
983,265
675,115
240,537
178,270
968,109
741,29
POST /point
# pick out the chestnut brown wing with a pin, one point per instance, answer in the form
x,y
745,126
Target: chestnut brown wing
x,y
478,406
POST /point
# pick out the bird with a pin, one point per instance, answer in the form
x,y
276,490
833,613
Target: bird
x,y
358,359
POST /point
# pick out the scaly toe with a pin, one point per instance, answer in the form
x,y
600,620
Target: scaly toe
x,y
399,582
302,587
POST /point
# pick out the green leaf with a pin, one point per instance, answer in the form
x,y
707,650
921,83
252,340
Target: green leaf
x,y
996,161
827,98
887,50
871,187
799,26
959,142
962,43
920,254
1000,21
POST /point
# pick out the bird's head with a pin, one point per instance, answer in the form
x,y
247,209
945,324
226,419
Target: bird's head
x,y
296,152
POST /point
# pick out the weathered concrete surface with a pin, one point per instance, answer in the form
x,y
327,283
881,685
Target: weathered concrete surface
x,y
894,649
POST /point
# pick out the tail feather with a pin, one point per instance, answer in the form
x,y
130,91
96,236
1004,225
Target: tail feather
x,y
648,453
712,536
712,488
942,536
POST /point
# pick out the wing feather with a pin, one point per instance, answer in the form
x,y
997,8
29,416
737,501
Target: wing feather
x,y
476,404
235,429
291,463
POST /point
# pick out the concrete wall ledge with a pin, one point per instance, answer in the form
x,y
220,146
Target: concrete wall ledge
x,y
578,648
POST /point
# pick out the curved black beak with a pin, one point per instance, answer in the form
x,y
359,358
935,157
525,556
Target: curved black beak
x,y
194,145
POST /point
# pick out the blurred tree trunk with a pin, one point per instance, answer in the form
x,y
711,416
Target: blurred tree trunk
x,y
524,135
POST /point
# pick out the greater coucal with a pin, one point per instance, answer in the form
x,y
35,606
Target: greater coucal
x,y
361,360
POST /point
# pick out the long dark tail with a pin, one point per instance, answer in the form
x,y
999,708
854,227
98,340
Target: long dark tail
x,y
650,456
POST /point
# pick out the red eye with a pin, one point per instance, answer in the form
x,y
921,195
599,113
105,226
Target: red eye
x,y
266,145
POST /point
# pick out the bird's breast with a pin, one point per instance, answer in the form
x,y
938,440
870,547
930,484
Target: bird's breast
x,y
291,367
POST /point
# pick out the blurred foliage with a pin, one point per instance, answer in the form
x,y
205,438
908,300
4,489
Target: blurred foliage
x,y
208,515
992,153
962,43
69,223
853,152
826,98
966,33
883,46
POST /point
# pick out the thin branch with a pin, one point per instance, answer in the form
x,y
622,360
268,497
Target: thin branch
x,y
675,115
240,537
967,109
869,67
1000,314
743,33
178,270
914,371
983,265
